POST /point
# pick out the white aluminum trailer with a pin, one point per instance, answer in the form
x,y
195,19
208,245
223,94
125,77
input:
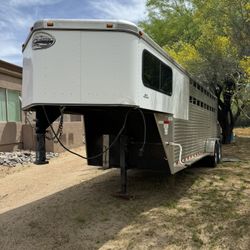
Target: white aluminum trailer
x,y
117,77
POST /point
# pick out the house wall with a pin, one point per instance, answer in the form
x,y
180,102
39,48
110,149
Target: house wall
x,y
10,132
72,136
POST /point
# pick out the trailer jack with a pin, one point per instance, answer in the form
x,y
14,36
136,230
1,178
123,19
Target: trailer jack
x,y
40,138
123,170
43,121
123,145
40,149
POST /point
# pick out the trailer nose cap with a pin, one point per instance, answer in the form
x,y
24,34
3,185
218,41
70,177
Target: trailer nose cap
x,y
42,40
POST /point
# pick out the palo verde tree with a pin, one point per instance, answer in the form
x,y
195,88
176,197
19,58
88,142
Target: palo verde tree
x,y
211,39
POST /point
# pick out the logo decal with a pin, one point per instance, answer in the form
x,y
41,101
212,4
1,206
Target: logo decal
x,y
42,40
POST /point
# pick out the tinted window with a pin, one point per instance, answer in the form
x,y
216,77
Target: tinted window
x,y
156,74
151,70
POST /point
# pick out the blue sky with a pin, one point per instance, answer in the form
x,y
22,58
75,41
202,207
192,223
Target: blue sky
x,y
17,16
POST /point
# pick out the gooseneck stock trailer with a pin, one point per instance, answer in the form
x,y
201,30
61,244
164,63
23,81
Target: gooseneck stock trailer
x,y
141,109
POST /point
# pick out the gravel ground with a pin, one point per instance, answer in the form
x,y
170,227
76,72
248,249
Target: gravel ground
x,y
12,159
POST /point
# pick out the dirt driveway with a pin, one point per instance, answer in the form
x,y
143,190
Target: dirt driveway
x,y
69,205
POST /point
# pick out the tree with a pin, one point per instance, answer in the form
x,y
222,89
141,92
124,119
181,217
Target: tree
x,y
211,40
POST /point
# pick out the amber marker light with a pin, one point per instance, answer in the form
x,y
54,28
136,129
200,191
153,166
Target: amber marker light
x,y
109,25
140,33
50,24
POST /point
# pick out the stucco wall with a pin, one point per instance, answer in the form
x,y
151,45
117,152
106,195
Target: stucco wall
x,y
10,132
10,136
72,137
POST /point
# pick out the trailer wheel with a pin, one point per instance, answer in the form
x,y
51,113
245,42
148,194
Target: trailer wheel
x,y
214,159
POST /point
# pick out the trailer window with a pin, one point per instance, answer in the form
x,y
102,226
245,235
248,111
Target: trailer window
x,y
150,70
156,74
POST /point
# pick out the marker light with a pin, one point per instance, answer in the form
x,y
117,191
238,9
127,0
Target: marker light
x,y
50,24
109,25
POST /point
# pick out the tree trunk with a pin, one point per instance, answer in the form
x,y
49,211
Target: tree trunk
x,y
225,115
226,121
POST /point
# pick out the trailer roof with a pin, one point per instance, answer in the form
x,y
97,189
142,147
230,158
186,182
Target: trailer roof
x,y
85,24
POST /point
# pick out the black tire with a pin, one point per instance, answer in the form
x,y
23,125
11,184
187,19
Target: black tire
x,y
214,159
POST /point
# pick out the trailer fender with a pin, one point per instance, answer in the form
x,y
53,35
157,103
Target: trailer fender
x,y
210,145
213,147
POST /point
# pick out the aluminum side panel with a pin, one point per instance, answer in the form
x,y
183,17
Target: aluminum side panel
x,y
201,126
167,136
192,134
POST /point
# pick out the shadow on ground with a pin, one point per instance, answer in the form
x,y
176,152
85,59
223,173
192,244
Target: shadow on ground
x,y
87,215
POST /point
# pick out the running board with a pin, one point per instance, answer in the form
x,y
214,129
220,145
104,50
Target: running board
x,y
190,162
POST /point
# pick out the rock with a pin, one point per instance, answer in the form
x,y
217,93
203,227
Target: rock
x,y
22,157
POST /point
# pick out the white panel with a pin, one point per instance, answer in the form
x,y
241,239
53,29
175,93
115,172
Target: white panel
x,y
57,70
180,95
109,68
146,96
176,104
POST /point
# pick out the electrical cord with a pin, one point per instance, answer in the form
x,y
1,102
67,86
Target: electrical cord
x,y
59,131
114,141
27,118
141,150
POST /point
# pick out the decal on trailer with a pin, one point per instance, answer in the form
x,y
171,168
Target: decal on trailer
x,y
42,40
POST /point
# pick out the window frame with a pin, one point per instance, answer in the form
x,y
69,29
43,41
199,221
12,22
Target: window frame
x,y
161,63
6,105
5,102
